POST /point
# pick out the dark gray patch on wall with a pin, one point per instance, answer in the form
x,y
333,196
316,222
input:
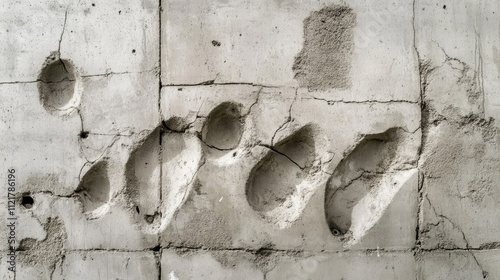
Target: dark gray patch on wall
x,y
325,59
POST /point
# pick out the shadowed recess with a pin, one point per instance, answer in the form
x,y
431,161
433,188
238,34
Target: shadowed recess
x,y
56,84
356,175
142,171
94,187
224,127
276,177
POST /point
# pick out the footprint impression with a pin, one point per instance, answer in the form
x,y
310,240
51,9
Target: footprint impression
x,y
361,178
160,173
59,84
94,189
280,185
224,127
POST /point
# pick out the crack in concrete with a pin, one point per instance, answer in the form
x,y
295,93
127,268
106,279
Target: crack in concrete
x,y
156,69
213,147
60,40
275,250
257,99
50,193
63,29
480,67
213,83
90,162
420,219
333,102
455,226
19,82
282,154
287,121
83,76
347,185
193,178
60,265
366,174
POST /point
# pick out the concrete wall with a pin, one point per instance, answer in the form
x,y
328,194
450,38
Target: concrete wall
x,y
267,139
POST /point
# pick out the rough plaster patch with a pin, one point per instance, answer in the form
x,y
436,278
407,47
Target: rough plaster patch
x,y
325,59
47,252
205,227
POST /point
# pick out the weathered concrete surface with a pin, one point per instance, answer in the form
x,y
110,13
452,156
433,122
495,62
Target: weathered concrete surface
x,y
99,38
286,221
104,265
192,264
460,265
250,140
258,42
461,138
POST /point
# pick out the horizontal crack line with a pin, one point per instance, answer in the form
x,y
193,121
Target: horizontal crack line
x,y
274,250
83,76
238,249
213,83
331,102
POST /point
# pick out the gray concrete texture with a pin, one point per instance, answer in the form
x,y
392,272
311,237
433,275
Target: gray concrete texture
x,y
267,139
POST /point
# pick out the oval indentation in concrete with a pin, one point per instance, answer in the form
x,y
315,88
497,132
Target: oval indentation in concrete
x,y
160,173
360,172
94,188
142,172
59,85
223,127
276,181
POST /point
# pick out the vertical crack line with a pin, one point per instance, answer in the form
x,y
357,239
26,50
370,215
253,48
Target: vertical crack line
x,y
251,106
60,40
288,120
421,176
159,57
160,204
157,256
419,209
62,33
160,182
417,52
483,272
479,69
81,118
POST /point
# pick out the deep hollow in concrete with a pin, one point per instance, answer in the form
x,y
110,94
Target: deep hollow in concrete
x,y
325,59
142,171
94,188
224,127
356,175
27,201
57,84
176,124
276,177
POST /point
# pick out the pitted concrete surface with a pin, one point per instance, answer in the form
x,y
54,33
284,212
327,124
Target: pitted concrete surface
x,y
240,139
